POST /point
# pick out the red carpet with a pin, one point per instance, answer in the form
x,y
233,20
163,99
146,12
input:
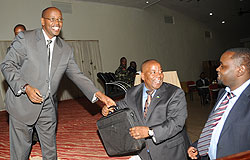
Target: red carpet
x,y
77,137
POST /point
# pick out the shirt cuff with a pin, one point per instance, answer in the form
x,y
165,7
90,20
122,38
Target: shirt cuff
x,y
94,99
19,92
22,89
154,139
152,135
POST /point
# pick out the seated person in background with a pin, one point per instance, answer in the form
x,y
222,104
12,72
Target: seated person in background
x,y
132,71
121,74
203,92
162,108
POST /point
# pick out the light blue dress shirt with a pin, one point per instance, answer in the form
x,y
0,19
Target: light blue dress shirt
x,y
145,96
217,130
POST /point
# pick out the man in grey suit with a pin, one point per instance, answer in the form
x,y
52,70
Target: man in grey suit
x,y
17,29
33,68
163,117
230,133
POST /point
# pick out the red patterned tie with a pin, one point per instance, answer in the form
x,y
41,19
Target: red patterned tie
x,y
148,101
213,120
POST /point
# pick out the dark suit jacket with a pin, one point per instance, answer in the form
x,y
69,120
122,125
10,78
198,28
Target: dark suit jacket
x,y
235,135
27,62
199,83
166,116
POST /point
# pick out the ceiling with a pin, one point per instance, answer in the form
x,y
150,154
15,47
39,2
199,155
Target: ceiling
x,y
235,13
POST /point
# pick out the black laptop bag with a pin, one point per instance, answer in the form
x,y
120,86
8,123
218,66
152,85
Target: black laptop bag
x,y
114,132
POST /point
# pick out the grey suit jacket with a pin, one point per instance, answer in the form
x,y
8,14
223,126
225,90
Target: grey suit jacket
x,y
166,116
27,62
235,134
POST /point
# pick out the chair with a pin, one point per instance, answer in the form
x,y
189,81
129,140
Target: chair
x,y
169,77
114,89
213,91
113,79
191,88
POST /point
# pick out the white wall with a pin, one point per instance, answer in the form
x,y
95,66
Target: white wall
x,y
122,31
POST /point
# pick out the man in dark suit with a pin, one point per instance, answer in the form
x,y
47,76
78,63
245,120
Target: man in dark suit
x,y
19,28
163,117
201,84
229,133
33,68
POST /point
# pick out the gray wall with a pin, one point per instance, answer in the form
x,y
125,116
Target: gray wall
x,y
123,31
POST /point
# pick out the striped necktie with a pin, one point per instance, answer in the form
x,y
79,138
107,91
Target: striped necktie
x,y
148,101
213,120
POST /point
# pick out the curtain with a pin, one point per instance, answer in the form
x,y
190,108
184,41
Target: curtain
x,y
87,56
3,86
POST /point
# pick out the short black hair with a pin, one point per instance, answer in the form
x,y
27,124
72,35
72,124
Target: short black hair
x,y
44,11
132,62
122,59
146,61
19,25
241,56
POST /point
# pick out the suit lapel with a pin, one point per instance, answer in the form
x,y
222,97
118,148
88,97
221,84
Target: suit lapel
x,y
138,100
155,100
220,95
57,51
42,50
240,107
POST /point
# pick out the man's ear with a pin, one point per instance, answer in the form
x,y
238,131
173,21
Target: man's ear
x,y
142,76
241,70
42,21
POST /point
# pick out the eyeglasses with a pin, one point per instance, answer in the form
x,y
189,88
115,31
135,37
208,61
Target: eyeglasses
x,y
53,20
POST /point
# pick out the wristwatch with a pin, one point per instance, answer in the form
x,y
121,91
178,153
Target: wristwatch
x,y
150,132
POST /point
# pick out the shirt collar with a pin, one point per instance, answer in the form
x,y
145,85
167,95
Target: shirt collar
x,y
239,90
47,38
145,89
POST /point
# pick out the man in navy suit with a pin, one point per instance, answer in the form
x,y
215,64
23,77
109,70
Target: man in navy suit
x,y
231,133
203,92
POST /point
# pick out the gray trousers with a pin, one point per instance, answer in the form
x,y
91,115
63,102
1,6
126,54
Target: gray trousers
x,y
21,134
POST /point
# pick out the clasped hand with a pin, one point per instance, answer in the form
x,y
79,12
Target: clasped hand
x,y
192,152
139,132
33,94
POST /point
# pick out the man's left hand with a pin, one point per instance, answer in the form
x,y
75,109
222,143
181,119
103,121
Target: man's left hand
x,y
139,132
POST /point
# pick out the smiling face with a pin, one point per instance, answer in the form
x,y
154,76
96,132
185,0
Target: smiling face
x,y
52,22
227,71
152,75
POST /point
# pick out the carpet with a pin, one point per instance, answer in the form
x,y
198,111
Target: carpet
x,y
77,137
